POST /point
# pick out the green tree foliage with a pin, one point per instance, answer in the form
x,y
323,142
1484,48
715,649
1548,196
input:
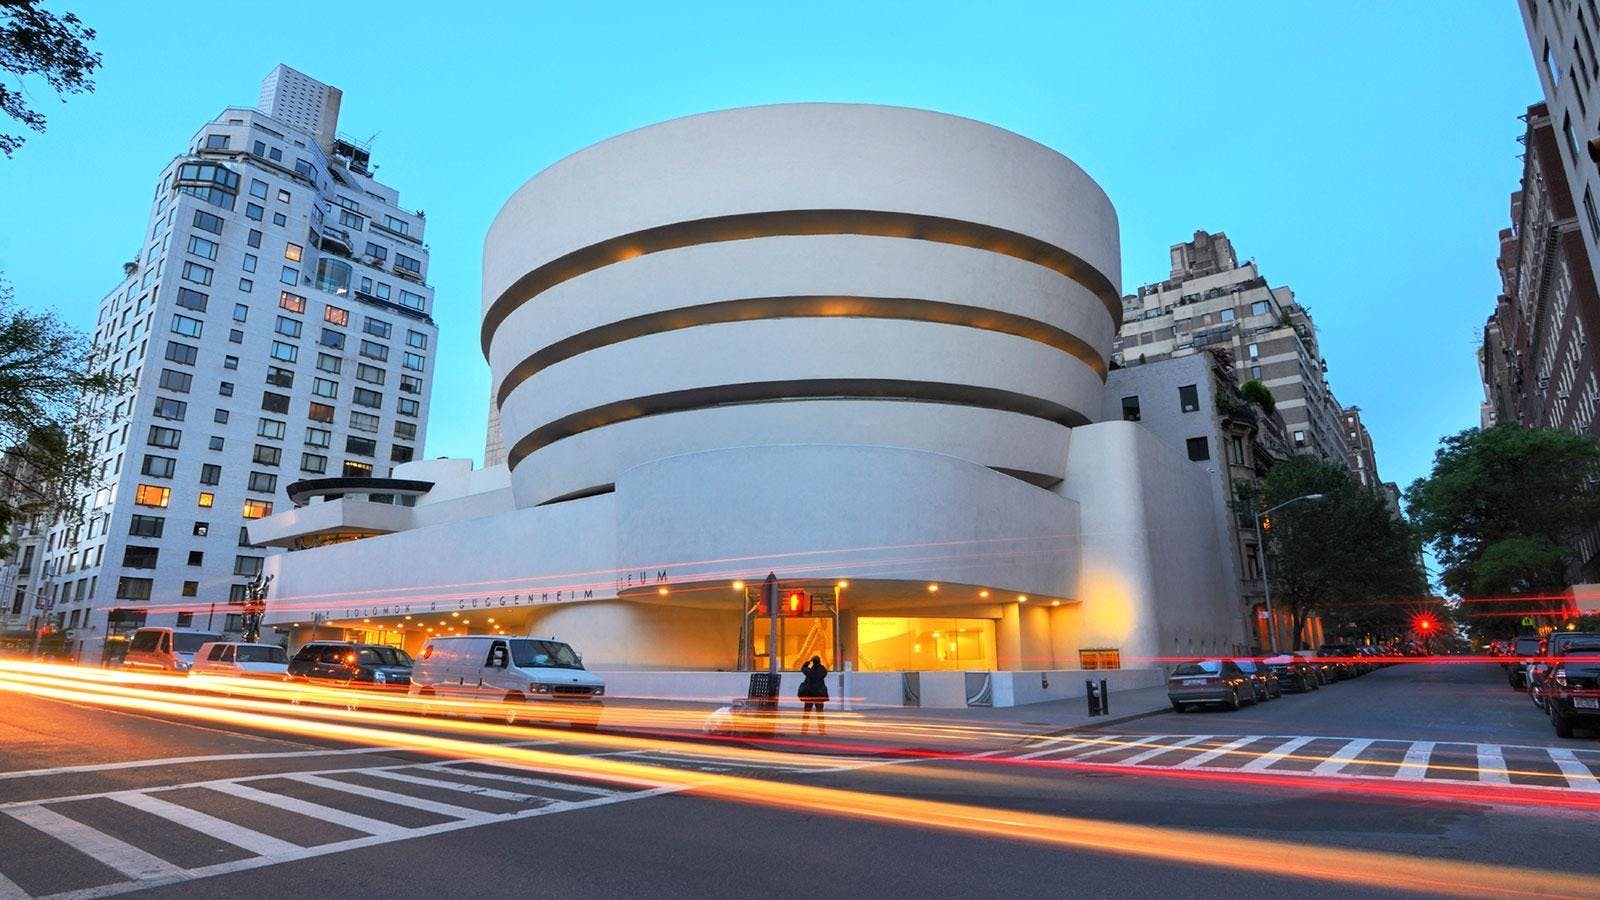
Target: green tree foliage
x,y
1343,556
34,42
1259,394
48,400
1502,508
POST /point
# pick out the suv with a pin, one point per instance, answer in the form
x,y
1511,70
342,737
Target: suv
x,y
1519,655
1294,672
527,678
1263,679
1551,649
1572,690
166,649
351,665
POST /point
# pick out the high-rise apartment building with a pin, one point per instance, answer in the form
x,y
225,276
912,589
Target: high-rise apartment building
x,y
1211,300
1539,357
275,326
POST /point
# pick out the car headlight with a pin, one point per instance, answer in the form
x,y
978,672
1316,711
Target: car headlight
x,y
536,688
180,665
600,691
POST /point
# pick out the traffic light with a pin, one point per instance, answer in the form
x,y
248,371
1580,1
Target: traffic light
x,y
1266,523
1424,624
797,603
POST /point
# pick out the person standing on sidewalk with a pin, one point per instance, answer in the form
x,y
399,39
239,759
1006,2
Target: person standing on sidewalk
x,y
813,693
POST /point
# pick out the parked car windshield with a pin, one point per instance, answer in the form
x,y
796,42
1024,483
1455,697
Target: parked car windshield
x,y
1198,668
248,653
383,656
189,642
530,654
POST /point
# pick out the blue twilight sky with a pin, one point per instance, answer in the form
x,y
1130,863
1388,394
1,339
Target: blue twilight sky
x,y
1363,154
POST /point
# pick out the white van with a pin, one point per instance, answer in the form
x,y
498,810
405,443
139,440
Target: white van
x,y
536,678
234,658
166,649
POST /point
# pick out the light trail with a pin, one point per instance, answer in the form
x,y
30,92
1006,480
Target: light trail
x,y
1366,868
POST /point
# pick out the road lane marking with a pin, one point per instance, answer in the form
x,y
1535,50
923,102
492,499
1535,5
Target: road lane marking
x,y
97,845
451,767
1578,774
405,800
10,889
186,760
1203,758
1414,767
1266,759
1157,751
1108,742
221,829
1492,765
458,786
1344,757
310,810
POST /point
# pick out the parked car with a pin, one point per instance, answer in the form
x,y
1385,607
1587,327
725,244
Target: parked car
x,y
166,649
1327,670
1262,679
1294,673
531,678
1572,691
372,667
1553,646
241,660
1522,652
1343,658
1209,681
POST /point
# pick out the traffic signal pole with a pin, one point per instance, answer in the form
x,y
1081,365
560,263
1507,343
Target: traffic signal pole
x,y
769,593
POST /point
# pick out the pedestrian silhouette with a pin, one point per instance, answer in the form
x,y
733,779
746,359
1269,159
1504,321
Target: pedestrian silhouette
x,y
813,693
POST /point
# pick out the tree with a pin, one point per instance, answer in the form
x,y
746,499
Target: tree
x,y
49,397
1502,509
1342,555
1259,394
36,42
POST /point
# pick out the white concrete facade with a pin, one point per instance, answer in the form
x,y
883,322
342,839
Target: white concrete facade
x,y
858,347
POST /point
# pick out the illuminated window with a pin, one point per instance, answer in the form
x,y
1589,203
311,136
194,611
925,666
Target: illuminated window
x,y
336,315
292,252
207,499
292,302
256,509
151,495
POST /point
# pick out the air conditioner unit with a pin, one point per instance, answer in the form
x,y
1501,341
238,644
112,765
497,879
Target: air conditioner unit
x,y
1544,382
1562,395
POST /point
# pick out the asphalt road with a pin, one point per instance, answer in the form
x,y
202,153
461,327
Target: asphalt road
x,y
95,802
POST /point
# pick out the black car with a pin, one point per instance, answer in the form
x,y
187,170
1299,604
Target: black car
x,y
351,665
1572,689
1294,673
1344,660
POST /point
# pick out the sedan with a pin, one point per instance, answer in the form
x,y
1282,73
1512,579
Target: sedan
x,y
1294,673
1262,678
1209,682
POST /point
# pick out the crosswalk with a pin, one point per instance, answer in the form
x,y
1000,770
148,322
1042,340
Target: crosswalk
x,y
1558,768
110,842
106,843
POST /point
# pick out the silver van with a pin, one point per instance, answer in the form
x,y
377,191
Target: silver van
x,y
166,649
234,658
534,678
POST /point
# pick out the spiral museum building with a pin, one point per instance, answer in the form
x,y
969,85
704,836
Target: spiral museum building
x,y
859,347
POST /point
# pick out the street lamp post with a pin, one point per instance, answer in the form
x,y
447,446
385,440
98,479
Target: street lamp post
x,y
1261,558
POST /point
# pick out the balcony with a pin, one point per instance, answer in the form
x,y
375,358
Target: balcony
x,y
336,240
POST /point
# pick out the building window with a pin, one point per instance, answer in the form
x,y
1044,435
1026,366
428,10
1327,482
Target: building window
x,y
353,469
313,463
176,382
280,377
289,275
375,351
206,500
139,557
134,588
182,354
364,397
216,142
406,407
377,252
191,299
1099,658
292,252
369,374
333,276
398,226
318,437
167,408
325,387
417,340
164,437
210,473
201,529
1189,398
1130,408
407,299
152,495
331,338
400,454
278,403
412,361
285,352
248,566
320,412
158,466
287,327
405,431
190,589
1199,449
271,428
377,327
266,456
360,446
1255,373
1299,438
363,422
216,442
257,509
254,239
225,389
207,222
201,247
336,316
196,273
1236,450
411,384
1254,351
240,312
280,219
263,482
258,188
182,324
146,526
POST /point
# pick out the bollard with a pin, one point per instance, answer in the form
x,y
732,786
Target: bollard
x,y
1105,699
1094,700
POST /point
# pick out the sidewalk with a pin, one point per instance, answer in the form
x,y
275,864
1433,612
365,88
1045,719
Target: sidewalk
x,y
916,730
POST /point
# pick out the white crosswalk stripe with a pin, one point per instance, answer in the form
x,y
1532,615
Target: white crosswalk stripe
x,y
1414,767
124,857
1157,751
1216,752
1283,751
1342,758
1492,765
1578,774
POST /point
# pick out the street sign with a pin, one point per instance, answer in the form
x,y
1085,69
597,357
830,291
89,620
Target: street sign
x,y
1528,621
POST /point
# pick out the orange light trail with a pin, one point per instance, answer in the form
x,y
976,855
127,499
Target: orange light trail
x,y
1369,868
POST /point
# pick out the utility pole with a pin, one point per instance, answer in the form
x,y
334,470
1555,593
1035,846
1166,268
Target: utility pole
x,y
769,593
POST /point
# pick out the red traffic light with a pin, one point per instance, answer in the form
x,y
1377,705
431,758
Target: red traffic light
x,y
1424,624
797,603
